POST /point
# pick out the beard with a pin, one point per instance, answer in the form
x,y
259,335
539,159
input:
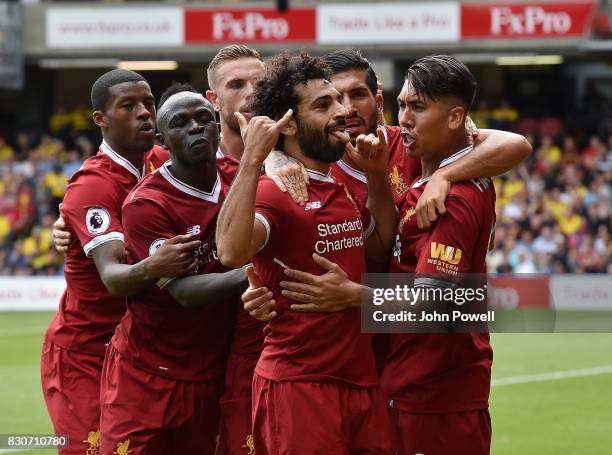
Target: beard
x,y
316,144
371,126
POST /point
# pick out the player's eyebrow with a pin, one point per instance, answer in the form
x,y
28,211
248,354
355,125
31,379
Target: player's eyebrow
x,y
318,99
235,80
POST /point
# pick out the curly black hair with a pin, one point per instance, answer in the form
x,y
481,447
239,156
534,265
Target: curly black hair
x,y
274,93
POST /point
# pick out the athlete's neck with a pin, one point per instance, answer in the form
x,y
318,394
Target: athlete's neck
x,y
430,163
231,143
293,150
202,177
135,158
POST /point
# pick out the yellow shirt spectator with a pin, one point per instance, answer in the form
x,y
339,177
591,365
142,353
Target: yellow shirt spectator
x,y
29,246
59,120
570,224
6,151
56,182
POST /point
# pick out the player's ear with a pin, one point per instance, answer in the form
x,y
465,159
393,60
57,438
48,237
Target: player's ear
x,y
214,99
380,102
162,141
100,119
290,128
456,118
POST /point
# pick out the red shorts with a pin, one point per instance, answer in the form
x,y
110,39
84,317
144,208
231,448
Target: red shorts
x,y
142,413
71,387
457,433
235,436
319,418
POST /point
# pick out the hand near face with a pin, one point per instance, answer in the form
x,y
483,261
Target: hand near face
x,y
260,134
372,153
289,175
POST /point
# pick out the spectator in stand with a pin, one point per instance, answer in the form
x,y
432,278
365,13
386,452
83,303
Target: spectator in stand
x,y
56,182
504,117
482,115
6,151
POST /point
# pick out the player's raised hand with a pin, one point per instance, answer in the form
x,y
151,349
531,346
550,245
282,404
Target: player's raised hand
x,y
260,134
257,300
175,257
330,292
61,237
372,152
431,201
289,175
471,129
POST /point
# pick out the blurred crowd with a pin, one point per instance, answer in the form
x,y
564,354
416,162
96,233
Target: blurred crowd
x,y
34,174
553,210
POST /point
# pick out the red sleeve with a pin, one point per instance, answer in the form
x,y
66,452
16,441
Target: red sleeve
x,y
147,227
91,209
269,202
449,248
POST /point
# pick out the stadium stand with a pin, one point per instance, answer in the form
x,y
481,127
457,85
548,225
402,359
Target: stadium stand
x,y
553,211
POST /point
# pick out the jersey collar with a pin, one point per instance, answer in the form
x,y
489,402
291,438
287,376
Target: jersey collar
x,y
121,161
315,175
352,171
213,196
451,159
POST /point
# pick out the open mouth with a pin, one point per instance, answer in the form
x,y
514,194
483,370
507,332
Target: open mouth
x,y
353,126
408,139
147,128
340,133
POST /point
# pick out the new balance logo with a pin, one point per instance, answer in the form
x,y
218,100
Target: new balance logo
x,y
312,205
194,230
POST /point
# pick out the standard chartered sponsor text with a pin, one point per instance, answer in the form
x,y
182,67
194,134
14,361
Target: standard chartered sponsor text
x,y
331,229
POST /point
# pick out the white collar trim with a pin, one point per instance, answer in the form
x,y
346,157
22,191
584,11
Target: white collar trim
x,y
451,159
315,175
121,161
213,196
352,171
219,153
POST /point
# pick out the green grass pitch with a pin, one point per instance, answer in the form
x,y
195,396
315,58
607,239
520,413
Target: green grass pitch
x,y
563,416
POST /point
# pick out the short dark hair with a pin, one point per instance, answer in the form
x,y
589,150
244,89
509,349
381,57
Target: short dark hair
x,y
175,87
275,94
100,90
351,59
439,77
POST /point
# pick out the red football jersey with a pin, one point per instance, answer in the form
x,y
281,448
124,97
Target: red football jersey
x,y
436,373
333,223
248,332
157,334
88,314
403,169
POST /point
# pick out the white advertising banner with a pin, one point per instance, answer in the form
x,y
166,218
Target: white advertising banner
x,y
30,293
581,292
380,23
114,27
